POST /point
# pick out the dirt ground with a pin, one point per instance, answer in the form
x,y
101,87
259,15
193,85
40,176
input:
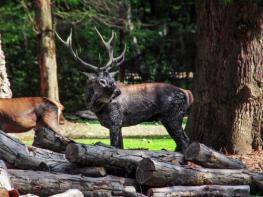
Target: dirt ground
x,y
253,161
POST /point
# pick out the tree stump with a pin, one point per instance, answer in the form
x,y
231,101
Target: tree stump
x,y
207,157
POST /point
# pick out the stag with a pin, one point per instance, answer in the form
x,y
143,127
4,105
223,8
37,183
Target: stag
x,y
117,105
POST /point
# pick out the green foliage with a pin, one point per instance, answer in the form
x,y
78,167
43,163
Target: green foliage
x,y
164,31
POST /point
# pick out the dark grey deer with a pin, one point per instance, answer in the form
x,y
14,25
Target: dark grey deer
x,y
117,105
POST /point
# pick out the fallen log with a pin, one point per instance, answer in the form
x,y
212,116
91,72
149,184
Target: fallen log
x,y
204,190
161,155
14,153
157,174
57,162
207,157
69,193
116,161
49,139
18,155
46,184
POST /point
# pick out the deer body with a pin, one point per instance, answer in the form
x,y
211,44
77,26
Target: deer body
x,y
22,114
146,102
117,105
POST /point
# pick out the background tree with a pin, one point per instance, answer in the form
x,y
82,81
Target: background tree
x,y
5,91
47,50
228,83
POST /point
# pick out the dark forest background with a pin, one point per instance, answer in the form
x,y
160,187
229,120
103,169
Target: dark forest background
x,y
160,39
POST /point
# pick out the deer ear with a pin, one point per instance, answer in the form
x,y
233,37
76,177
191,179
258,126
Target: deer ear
x,y
113,74
89,76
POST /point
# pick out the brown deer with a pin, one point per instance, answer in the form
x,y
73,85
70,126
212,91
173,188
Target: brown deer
x,y
117,105
22,114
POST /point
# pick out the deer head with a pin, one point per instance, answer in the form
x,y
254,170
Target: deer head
x,y
101,85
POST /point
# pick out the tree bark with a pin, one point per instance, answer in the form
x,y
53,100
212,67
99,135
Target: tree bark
x,y
158,174
49,139
227,112
17,155
5,91
198,191
116,161
47,50
45,184
206,157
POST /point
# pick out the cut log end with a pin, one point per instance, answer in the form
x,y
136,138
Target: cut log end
x,y
144,170
72,152
192,151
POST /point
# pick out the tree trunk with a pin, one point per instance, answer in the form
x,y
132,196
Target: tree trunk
x,y
206,157
204,190
47,50
5,91
227,112
45,184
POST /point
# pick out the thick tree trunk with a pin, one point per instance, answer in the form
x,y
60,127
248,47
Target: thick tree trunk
x,y
5,91
204,190
45,184
227,112
116,161
206,157
47,50
159,174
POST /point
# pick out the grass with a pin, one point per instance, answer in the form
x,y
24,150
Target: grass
x,y
151,143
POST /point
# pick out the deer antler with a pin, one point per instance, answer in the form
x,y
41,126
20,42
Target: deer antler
x,y
68,44
109,46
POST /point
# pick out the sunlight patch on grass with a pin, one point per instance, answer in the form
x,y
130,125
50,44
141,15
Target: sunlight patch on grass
x,y
151,143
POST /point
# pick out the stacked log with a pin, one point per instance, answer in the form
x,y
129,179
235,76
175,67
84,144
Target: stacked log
x,y
102,170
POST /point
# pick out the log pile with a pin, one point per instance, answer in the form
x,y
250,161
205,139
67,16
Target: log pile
x,y
78,170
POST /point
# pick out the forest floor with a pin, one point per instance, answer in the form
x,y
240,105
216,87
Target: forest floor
x,y
93,130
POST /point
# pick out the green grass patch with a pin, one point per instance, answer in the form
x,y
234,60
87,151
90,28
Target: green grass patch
x,y
151,143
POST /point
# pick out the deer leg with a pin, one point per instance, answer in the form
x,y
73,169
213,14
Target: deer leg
x,y
175,130
116,139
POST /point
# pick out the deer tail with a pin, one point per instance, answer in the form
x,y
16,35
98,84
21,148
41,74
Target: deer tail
x,y
59,106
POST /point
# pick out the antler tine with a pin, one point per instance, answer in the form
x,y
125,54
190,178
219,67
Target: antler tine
x,y
117,60
109,46
68,44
